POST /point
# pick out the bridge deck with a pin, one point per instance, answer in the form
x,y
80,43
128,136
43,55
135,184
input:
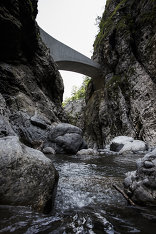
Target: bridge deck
x,y
69,59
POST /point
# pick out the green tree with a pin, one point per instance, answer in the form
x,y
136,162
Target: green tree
x,y
78,93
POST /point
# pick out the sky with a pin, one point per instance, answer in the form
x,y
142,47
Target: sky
x,y
73,23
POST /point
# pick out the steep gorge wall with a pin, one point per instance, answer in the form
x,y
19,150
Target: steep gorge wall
x,y
31,88
124,103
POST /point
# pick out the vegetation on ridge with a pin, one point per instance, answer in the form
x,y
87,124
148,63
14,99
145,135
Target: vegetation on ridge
x,y
126,22
78,93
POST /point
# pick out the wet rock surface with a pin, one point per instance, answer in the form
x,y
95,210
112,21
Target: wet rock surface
x,y
27,177
49,150
140,185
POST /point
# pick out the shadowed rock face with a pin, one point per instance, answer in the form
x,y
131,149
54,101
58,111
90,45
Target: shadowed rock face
x,y
124,102
18,39
30,84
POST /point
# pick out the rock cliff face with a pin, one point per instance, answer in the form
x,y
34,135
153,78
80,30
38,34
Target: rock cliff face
x,y
75,112
30,85
124,103
31,91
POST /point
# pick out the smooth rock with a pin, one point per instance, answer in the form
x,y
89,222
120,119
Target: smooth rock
x,y
122,140
49,150
148,164
70,142
123,144
134,146
27,177
88,152
119,142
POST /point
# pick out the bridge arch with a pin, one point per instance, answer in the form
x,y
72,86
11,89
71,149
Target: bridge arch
x,y
69,59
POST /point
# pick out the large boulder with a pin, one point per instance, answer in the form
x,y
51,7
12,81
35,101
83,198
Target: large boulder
x,y
124,144
67,138
134,147
140,185
27,177
49,150
118,142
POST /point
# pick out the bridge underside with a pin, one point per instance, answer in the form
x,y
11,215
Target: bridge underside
x,y
78,67
68,59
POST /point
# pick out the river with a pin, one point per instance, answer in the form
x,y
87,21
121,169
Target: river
x,y
86,201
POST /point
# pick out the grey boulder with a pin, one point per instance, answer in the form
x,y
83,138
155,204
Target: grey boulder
x,y
124,144
49,150
134,146
67,138
27,177
140,185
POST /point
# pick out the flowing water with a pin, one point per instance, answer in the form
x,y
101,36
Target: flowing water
x,y
86,201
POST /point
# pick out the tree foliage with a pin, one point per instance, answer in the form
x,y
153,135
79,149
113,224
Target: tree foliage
x,y
78,93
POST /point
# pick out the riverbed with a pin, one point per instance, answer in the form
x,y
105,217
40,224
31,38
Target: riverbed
x,y
86,201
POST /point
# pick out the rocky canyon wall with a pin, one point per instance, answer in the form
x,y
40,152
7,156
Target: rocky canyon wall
x,y
31,87
125,102
31,91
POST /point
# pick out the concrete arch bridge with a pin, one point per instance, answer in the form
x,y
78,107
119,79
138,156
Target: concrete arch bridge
x,y
69,59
